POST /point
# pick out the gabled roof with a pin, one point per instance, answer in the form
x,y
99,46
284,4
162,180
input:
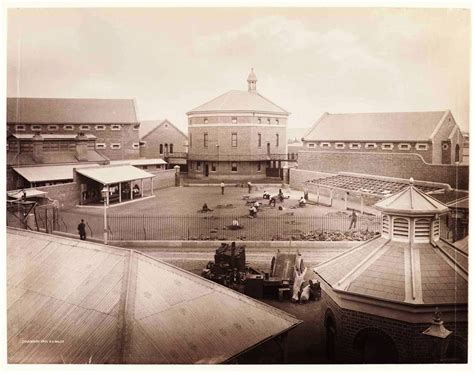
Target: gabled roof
x,y
409,126
70,110
411,201
111,305
147,127
383,269
239,101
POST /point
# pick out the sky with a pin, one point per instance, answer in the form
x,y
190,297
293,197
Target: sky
x,y
307,60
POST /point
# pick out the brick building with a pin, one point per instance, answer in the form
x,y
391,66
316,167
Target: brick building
x,y
427,144
379,297
113,122
238,135
162,139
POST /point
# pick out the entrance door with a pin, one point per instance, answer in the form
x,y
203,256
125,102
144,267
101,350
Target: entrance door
x,y
206,170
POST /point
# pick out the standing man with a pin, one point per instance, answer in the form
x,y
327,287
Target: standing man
x,y
353,219
222,187
249,185
82,230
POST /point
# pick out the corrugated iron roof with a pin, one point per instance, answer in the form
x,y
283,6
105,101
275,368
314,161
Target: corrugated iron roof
x,y
70,110
49,173
30,192
240,101
71,301
365,127
115,174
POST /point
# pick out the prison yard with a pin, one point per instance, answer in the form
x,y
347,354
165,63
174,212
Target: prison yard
x,y
176,214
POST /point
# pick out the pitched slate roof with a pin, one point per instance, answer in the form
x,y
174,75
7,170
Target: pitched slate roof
x,y
382,269
149,126
80,302
239,101
364,127
411,201
70,110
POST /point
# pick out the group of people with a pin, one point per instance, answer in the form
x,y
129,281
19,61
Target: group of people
x,y
302,291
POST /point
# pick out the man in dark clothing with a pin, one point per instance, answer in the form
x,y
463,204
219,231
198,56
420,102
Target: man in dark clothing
x,y
353,219
82,230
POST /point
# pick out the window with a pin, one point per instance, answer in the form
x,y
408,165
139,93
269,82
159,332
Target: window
x,y
143,143
53,127
259,120
387,146
234,140
404,146
445,146
84,127
311,145
456,153
386,226
436,229
234,166
190,139
136,127
325,145
198,165
400,228
277,140
371,145
100,145
115,127
145,167
268,121
206,121
19,127
68,127
36,127
205,140
277,121
259,140
234,120
421,146
190,165
135,145
213,167
340,145
171,148
100,127
354,145
161,148
259,167
115,146
422,229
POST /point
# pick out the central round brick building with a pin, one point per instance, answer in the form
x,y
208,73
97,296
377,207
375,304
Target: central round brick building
x,y
238,135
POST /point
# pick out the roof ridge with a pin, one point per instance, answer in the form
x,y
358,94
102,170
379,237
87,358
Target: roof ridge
x,y
271,102
207,102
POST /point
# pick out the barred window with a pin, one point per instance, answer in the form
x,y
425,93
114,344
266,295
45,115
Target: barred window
x,y
234,140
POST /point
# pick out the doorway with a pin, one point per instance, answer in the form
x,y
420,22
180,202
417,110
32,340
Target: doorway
x,y
206,170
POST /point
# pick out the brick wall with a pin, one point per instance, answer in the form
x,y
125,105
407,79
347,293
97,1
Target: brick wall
x,y
245,170
412,346
68,195
163,179
392,165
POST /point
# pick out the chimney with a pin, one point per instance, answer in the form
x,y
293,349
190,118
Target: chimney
x,y
38,147
81,147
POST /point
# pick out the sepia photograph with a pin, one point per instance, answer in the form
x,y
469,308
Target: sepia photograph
x,y
256,185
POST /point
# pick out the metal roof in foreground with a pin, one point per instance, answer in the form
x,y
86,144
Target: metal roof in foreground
x,y
71,301
114,174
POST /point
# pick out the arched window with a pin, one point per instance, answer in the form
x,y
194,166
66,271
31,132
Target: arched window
x,y
422,229
374,346
385,226
456,153
400,228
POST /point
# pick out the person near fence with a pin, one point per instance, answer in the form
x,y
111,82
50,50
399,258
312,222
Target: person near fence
x,y
302,202
222,187
353,219
82,230
253,212
249,186
266,195
23,196
205,208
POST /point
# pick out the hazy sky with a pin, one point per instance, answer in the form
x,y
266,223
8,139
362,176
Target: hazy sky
x,y
307,60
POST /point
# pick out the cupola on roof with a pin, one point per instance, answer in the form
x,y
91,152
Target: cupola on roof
x,y
411,201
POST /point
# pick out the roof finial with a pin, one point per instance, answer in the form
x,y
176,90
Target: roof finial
x,y
252,81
